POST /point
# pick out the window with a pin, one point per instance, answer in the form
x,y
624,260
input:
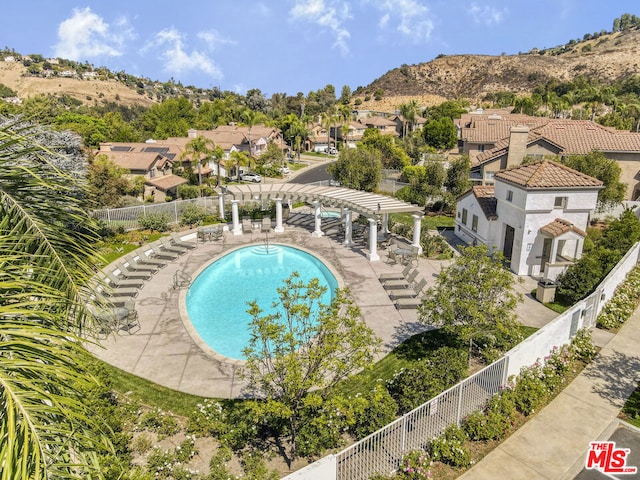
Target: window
x,y
489,175
474,223
560,202
509,195
481,148
464,216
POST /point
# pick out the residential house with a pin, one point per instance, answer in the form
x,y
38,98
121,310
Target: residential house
x,y
417,124
382,124
350,135
535,214
496,143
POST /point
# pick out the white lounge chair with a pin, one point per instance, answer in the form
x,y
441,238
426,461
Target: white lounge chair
x,y
119,282
178,242
145,259
136,265
165,244
132,274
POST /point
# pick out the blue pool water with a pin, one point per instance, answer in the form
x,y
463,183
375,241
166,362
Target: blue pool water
x,y
217,299
330,214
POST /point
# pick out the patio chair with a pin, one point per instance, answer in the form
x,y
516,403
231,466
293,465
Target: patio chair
x,y
246,225
121,292
130,323
132,274
396,284
409,292
392,257
413,257
135,265
395,275
119,282
178,242
145,259
407,303
165,244
266,225
159,252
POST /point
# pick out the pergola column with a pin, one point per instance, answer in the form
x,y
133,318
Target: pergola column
x,y
279,228
221,206
235,217
348,227
384,226
373,240
417,225
317,232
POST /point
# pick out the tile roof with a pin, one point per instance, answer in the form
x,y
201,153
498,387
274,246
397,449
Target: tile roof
x,y
559,227
165,182
134,160
486,199
547,174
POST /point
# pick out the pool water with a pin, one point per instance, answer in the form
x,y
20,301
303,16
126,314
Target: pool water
x,y
217,299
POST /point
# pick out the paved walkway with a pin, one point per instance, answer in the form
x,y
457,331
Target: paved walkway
x,y
553,444
165,352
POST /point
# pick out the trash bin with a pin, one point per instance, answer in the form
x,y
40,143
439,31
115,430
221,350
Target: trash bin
x,y
546,290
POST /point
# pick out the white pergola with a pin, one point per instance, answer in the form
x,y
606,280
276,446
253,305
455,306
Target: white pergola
x,y
371,205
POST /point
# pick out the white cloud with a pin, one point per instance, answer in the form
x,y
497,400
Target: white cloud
x,y
170,45
329,16
486,14
410,18
86,35
214,39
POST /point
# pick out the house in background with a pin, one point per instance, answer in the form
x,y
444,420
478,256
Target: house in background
x,y
535,214
497,141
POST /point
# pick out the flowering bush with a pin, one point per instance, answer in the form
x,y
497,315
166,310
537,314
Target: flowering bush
x,y
582,347
170,464
415,466
624,301
530,391
495,420
159,421
207,419
449,447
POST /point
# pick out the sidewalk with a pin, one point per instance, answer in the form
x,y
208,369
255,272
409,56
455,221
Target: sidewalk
x,y
553,444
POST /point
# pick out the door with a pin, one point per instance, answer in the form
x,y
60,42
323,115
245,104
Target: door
x,y
507,249
546,253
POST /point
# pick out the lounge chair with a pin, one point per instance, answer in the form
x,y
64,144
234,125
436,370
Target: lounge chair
x,y
160,252
178,242
266,225
121,292
145,259
410,292
165,244
135,265
246,225
405,303
397,284
119,282
132,274
395,275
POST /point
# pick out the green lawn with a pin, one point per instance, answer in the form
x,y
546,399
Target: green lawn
x,y
631,409
428,222
112,249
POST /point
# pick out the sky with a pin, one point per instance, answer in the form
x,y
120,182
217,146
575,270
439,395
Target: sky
x,y
291,46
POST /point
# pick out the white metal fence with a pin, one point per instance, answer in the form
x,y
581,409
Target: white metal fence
x,y
382,451
127,217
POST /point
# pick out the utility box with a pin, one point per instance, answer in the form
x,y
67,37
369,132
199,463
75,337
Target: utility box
x,y
546,291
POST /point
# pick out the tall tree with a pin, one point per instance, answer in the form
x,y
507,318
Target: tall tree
x,y
306,345
474,299
249,117
596,165
358,168
199,150
458,176
46,257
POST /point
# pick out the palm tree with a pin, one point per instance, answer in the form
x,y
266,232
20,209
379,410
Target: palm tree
x,y
249,117
46,266
408,112
200,150
238,159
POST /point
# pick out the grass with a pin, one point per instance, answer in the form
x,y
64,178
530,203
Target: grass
x,y
631,410
117,247
555,306
151,394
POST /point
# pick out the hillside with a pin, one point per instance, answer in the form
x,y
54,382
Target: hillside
x,y
14,75
607,58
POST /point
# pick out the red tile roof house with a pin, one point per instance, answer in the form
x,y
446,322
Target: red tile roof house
x,y
149,160
511,138
535,214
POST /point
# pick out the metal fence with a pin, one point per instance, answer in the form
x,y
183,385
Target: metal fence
x,y
382,451
127,217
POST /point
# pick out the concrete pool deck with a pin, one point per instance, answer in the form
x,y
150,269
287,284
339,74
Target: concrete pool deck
x,y
164,351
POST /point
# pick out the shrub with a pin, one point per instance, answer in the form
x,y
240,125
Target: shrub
x,y
582,347
495,420
159,421
624,301
208,419
380,410
449,448
154,221
192,215
415,466
530,391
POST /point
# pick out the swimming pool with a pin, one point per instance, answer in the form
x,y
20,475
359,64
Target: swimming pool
x,y
216,302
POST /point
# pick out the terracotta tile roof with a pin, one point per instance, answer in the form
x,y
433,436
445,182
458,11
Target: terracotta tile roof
x,y
487,200
378,121
559,227
165,182
547,174
134,161
488,130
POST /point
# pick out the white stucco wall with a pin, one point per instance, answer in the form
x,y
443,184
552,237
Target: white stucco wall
x,y
531,210
484,233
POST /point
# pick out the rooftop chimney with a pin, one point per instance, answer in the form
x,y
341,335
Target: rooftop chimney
x,y
517,145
